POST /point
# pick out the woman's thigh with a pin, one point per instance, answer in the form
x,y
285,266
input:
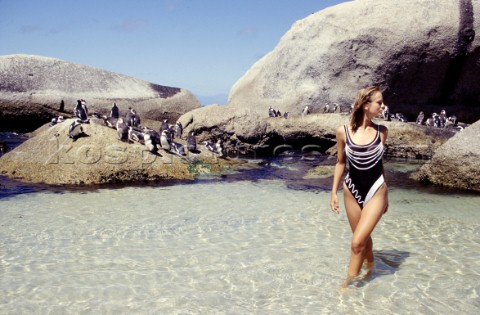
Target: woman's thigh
x,y
353,210
371,214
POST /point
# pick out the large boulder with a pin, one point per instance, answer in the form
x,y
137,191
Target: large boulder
x,y
424,55
456,163
33,87
98,157
247,129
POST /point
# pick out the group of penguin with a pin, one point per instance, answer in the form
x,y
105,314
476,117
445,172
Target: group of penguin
x,y
276,113
439,120
436,120
129,129
306,110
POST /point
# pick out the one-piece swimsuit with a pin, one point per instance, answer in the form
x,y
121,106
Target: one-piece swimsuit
x,y
365,168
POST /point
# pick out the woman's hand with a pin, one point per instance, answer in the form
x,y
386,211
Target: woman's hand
x,y
334,203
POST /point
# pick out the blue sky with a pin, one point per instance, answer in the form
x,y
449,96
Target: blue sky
x,y
204,46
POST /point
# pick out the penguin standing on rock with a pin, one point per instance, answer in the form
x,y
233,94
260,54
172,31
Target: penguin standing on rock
x,y
326,108
271,112
122,129
75,130
420,118
306,111
192,142
115,112
178,130
335,107
81,111
132,118
220,148
151,139
164,125
154,136
165,141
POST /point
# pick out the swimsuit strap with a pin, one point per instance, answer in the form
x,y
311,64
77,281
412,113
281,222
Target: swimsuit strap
x,y
349,140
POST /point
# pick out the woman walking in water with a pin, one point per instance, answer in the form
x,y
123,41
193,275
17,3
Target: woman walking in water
x,y
360,144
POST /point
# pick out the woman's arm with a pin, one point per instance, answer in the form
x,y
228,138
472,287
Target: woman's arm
x,y
383,133
339,168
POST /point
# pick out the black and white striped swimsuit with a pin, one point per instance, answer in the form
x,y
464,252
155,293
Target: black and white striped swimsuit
x,y
365,168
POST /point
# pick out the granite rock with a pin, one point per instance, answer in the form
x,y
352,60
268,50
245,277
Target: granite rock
x,y
33,87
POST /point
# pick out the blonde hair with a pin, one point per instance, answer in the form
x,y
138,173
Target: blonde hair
x,y
363,97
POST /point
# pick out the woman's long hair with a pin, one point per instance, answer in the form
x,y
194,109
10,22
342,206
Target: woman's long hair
x,y
363,97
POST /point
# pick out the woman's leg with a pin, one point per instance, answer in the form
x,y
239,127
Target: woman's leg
x,y
362,223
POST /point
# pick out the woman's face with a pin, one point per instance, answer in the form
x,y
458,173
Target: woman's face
x,y
376,106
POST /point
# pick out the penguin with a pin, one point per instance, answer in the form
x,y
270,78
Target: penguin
x,y
436,120
53,122
385,113
278,114
178,130
178,148
61,109
306,111
136,119
210,146
191,142
150,142
164,125
453,120
401,117
56,120
122,129
443,118
326,108
335,107
81,111
115,112
111,121
75,130
129,117
220,148
154,135
165,141
420,118
135,135
271,112
285,115
429,122
132,118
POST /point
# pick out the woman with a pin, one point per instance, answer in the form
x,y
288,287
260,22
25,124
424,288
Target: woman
x,y
365,191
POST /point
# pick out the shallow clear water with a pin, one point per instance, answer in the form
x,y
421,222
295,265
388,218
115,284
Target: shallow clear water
x,y
239,244
259,241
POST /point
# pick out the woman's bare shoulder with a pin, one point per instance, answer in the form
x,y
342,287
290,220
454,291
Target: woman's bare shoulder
x,y
383,132
383,129
340,130
340,133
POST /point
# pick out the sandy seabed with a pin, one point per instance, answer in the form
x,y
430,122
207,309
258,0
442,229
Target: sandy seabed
x,y
241,247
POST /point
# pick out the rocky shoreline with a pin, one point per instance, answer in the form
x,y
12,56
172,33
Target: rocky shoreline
x,y
49,156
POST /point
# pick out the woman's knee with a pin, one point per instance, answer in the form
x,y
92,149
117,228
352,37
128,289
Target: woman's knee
x,y
358,246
